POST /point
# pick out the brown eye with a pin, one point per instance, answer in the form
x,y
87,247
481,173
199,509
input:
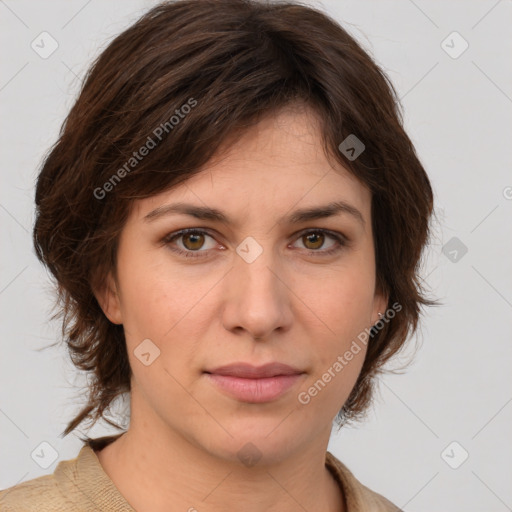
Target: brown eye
x,y
190,242
316,239
193,241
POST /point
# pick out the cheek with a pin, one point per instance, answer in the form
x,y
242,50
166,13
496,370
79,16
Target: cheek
x,y
342,302
342,309
161,302
150,300
329,388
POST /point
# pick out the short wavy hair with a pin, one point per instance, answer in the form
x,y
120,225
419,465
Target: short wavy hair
x,y
238,60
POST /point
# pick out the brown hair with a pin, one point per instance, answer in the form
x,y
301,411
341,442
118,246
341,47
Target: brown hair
x,y
231,62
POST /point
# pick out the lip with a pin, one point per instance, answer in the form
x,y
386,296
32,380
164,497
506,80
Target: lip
x,y
248,371
252,384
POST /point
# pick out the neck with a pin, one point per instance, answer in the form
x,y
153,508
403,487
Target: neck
x,y
152,470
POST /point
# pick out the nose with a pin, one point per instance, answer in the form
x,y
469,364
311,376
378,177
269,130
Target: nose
x,y
257,297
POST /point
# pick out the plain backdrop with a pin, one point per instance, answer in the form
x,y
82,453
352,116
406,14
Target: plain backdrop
x,y
437,436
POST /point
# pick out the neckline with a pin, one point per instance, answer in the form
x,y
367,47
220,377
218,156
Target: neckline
x,y
106,491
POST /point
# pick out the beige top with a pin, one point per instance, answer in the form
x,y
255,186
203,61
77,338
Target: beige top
x,y
81,485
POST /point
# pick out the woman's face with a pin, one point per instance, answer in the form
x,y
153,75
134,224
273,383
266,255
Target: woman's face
x,y
263,286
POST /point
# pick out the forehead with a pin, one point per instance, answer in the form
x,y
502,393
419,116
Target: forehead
x,y
278,166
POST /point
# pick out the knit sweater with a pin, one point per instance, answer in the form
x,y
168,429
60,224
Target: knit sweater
x,y
81,485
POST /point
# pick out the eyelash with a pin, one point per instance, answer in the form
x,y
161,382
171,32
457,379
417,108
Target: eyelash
x,y
341,240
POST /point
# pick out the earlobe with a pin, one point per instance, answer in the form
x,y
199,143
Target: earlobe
x,y
380,307
108,299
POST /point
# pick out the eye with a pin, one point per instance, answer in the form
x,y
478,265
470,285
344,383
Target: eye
x,y
193,240
316,238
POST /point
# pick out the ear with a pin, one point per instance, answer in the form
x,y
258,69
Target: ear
x,y
380,305
108,298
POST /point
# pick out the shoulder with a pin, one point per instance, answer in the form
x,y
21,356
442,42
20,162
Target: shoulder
x,y
76,485
39,494
359,498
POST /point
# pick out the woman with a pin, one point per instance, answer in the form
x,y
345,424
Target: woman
x,y
234,217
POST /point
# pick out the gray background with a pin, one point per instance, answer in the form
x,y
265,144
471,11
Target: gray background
x,y
458,114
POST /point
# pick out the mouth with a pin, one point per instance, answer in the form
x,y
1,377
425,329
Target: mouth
x,y
251,384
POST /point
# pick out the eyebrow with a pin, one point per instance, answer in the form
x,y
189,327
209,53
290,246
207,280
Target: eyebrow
x,y
296,217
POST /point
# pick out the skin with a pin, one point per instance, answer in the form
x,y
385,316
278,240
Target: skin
x,y
291,305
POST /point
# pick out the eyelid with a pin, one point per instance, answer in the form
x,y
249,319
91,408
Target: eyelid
x,y
342,241
185,231
330,232
213,233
